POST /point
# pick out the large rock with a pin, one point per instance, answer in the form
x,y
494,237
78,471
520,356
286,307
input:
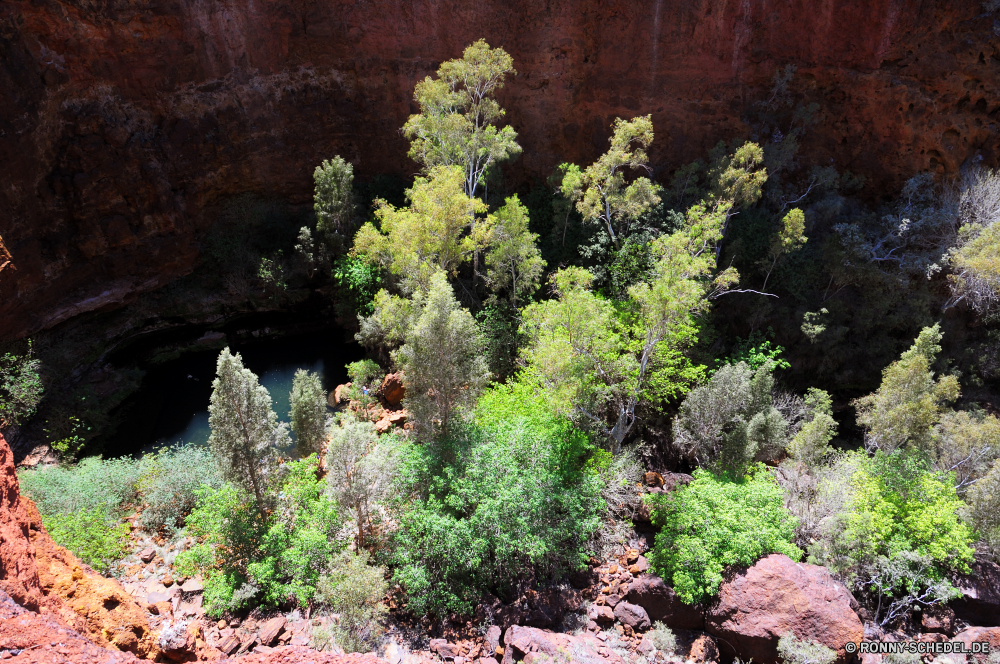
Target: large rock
x,y
662,603
392,392
980,600
18,567
632,615
777,596
972,635
519,641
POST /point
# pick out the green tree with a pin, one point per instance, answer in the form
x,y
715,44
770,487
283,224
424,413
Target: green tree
x,y
975,270
602,194
333,200
360,468
245,429
308,412
790,237
514,264
20,387
714,523
429,235
731,420
442,360
811,442
456,125
902,412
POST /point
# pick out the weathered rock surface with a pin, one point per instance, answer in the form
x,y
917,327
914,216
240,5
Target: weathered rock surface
x,y
19,571
980,600
662,603
520,641
392,392
632,615
777,596
128,124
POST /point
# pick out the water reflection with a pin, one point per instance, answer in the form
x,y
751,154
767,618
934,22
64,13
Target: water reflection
x,y
172,404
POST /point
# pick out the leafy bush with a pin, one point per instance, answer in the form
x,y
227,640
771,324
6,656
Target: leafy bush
x,y
359,280
506,497
168,481
984,512
716,522
20,386
92,535
794,650
276,562
94,484
354,590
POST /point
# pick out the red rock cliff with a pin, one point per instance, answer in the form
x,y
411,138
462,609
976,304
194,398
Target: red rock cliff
x,y
122,121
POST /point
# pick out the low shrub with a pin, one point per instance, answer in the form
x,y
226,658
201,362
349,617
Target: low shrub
x,y
354,590
92,535
716,522
794,650
662,638
168,482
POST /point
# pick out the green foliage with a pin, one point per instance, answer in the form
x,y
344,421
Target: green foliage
x,y
245,429
756,351
333,201
354,590
228,530
442,360
716,522
513,497
794,650
910,401
984,510
429,236
898,506
514,264
168,482
93,535
94,485
975,271
308,412
359,280
812,441
20,386
731,421
301,540
277,560
360,466
458,115
500,328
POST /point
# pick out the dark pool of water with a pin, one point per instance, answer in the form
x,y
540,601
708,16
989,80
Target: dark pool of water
x,y
171,406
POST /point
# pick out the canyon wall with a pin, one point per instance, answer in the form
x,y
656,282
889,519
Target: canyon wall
x,y
123,122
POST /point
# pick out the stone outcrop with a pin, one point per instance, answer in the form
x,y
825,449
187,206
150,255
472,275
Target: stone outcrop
x,y
777,596
662,603
980,600
529,643
129,124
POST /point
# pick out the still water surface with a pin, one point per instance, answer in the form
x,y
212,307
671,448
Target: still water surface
x,y
171,406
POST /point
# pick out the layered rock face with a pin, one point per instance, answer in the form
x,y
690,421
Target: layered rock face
x,y
123,122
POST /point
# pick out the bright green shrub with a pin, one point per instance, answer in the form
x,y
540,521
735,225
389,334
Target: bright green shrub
x,y
508,495
277,562
897,506
715,522
91,534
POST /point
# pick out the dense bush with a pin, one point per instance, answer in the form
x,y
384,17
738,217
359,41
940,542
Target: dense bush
x,y
354,590
513,500
82,506
716,522
168,481
794,650
92,535
275,562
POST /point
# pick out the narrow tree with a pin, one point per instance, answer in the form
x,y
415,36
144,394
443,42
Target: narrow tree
x,y
245,429
602,194
20,386
456,125
443,361
308,412
333,200
513,261
360,470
